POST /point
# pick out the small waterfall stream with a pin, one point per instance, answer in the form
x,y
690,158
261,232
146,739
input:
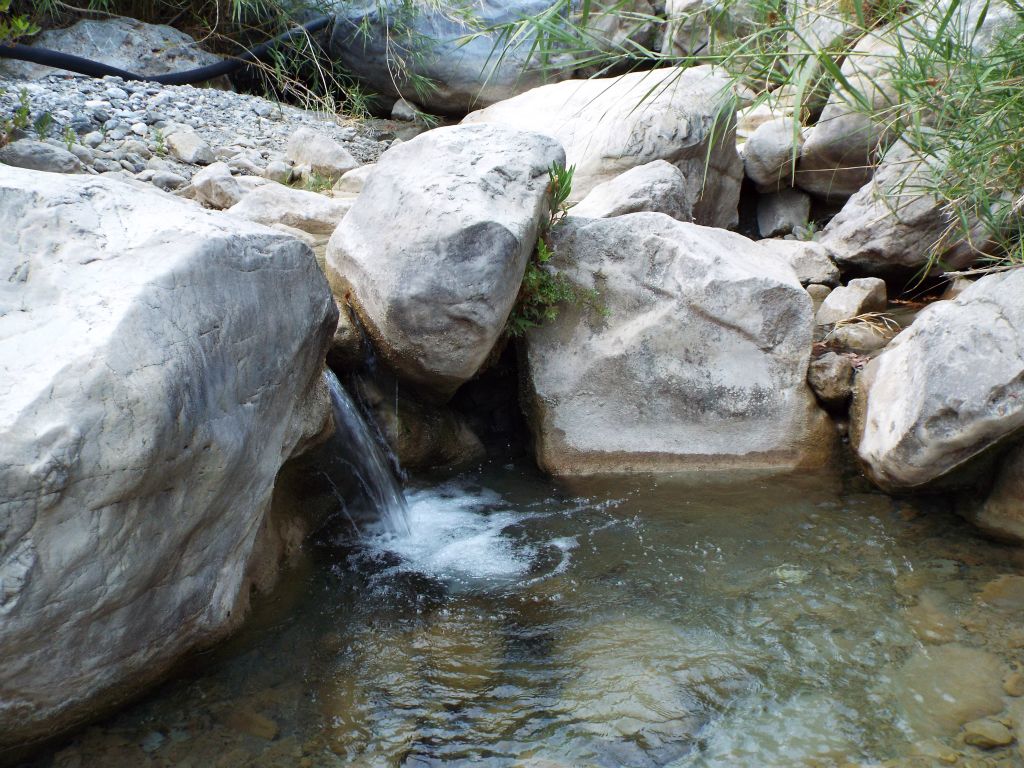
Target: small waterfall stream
x,y
368,456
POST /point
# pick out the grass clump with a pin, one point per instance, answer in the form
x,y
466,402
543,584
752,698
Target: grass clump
x,y
544,289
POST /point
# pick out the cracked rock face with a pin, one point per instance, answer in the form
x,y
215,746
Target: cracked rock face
x,y
945,390
700,362
159,363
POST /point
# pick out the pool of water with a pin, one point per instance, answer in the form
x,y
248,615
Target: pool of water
x,y
686,622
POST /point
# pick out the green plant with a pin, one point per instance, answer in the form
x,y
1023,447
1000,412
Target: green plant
x,y
69,137
316,182
159,143
18,121
14,25
544,289
42,125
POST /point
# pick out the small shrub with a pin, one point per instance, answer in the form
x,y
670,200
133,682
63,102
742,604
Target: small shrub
x,y
544,289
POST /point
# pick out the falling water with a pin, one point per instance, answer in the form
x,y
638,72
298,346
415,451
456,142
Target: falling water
x,y
368,459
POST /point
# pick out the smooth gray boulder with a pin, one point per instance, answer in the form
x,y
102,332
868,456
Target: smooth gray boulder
x,y
946,389
158,364
388,44
770,154
859,296
657,187
148,49
893,224
609,125
432,254
699,363
40,156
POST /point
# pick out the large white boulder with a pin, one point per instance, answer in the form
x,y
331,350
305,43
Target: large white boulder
x,y
946,389
609,125
700,362
158,363
433,252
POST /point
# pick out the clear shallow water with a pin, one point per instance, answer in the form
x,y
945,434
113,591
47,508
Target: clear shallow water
x,y
629,622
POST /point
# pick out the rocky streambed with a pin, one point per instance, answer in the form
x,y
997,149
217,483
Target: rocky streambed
x,y
709,573
680,621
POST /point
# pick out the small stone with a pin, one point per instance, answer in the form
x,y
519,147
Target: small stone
x,y
866,294
1005,592
92,139
278,171
818,294
167,180
139,129
1013,684
186,145
987,734
116,93
39,156
405,111
831,378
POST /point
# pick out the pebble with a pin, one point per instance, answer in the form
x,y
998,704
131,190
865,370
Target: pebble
x,y
987,734
1013,684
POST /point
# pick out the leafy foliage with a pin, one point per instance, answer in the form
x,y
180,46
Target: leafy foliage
x,y
14,25
544,289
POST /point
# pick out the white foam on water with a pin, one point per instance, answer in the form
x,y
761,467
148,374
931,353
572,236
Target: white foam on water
x,y
457,534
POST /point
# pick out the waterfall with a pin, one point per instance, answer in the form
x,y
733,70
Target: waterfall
x,y
369,459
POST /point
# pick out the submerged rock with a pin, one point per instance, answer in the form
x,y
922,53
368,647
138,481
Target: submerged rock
x,y
160,362
942,687
609,125
945,390
700,361
433,252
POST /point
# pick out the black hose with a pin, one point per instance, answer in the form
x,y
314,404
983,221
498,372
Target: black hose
x,y
92,68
